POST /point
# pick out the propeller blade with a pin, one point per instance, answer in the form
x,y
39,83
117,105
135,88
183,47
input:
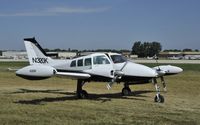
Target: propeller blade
x,y
124,65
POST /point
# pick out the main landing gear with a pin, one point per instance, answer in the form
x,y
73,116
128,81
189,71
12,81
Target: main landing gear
x,y
126,91
158,98
81,94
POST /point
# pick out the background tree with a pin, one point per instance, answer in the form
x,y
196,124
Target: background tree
x,y
155,48
136,49
172,50
146,49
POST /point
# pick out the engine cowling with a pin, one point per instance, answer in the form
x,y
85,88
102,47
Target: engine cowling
x,y
36,72
167,70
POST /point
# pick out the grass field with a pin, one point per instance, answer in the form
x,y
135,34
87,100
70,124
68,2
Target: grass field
x,y
53,101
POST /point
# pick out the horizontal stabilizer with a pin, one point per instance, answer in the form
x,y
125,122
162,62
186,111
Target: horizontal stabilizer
x,y
12,69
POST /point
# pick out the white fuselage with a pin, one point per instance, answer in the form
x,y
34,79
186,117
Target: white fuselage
x,y
101,67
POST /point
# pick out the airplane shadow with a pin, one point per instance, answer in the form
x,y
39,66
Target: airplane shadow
x,y
55,91
72,96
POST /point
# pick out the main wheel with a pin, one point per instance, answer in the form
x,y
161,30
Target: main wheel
x,y
159,98
126,91
83,94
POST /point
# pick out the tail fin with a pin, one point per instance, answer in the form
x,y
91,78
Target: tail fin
x,y
36,54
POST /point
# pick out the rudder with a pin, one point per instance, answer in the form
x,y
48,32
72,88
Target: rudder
x,y
36,54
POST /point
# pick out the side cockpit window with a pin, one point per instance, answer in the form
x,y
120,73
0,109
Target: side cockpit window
x,y
73,63
118,59
100,60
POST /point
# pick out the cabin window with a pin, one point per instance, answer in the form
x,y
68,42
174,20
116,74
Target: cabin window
x,y
80,62
100,60
73,63
88,62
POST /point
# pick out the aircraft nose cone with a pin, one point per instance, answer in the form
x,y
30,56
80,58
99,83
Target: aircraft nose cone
x,y
134,69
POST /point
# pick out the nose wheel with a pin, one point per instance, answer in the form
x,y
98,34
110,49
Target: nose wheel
x,y
159,98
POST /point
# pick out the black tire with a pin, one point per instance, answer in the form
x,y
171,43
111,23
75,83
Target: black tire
x,y
126,91
160,99
82,95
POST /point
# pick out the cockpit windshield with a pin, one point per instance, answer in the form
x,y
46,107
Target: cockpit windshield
x,y
118,58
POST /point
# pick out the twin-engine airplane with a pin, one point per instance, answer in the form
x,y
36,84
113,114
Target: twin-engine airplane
x,y
99,67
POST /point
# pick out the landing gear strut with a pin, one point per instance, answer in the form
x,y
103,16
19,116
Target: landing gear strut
x,y
163,83
126,91
158,98
81,94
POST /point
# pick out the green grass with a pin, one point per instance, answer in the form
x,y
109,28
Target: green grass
x,y
15,65
53,101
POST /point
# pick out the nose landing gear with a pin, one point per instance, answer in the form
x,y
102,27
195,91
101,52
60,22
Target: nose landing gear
x,y
158,98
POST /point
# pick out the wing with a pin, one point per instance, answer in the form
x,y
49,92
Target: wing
x,y
74,75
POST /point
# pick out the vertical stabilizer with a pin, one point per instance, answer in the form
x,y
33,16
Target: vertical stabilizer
x,y
36,54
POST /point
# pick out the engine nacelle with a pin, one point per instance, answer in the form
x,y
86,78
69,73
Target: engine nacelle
x,y
167,70
36,72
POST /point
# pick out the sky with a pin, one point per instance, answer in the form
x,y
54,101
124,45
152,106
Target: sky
x,y
99,24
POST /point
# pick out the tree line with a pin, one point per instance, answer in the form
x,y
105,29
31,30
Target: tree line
x,y
146,49
149,49
142,49
178,50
